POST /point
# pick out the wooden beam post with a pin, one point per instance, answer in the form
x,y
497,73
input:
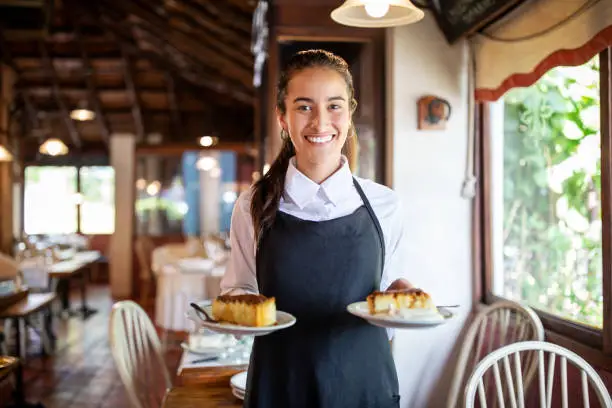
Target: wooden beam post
x,y
6,169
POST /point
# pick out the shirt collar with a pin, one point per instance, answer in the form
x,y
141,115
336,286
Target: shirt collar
x,y
302,190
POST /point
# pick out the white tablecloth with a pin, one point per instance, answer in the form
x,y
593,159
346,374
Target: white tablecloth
x,y
177,287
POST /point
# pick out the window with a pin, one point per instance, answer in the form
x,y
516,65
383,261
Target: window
x,y
65,200
97,215
545,196
50,200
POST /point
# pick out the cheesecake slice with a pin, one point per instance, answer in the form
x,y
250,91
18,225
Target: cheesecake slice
x,y
404,301
245,310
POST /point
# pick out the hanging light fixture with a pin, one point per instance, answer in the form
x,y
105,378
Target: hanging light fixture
x,y
5,155
377,13
208,141
82,113
53,147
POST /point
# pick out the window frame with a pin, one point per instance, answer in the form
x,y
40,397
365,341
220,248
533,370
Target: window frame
x,y
593,344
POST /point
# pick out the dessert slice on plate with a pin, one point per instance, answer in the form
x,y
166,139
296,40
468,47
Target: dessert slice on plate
x,y
404,303
245,310
243,315
406,308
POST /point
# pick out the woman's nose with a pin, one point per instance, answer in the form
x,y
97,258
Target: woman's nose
x,y
320,119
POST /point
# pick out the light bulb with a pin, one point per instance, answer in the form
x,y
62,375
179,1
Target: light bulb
x,y
206,163
377,9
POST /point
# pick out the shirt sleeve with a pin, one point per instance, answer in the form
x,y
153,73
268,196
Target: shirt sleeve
x,y
395,250
240,276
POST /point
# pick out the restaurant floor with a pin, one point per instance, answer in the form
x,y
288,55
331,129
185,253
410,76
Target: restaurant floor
x,y
82,372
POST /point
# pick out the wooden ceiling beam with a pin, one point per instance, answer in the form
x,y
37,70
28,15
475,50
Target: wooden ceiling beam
x,y
70,127
92,92
195,77
159,27
242,5
220,11
131,87
174,110
188,21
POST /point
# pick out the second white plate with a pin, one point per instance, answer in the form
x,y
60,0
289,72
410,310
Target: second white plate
x,y
418,320
283,320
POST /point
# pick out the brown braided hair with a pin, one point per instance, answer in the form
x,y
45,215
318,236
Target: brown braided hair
x,y
268,190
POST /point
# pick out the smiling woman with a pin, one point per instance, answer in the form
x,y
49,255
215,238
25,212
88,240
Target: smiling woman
x,y
317,239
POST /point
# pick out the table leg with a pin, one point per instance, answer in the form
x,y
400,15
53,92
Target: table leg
x,y
86,311
62,287
19,395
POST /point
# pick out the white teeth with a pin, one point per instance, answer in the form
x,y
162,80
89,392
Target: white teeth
x,y
319,139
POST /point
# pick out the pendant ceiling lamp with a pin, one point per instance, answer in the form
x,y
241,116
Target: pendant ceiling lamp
x,y
5,155
377,13
53,147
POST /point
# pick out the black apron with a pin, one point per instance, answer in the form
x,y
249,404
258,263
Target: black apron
x,y
329,358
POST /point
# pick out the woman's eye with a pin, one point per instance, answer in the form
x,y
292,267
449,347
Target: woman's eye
x,y
304,108
335,107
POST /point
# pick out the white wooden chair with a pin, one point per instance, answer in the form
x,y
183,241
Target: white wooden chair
x,y
508,378
138,355
498,325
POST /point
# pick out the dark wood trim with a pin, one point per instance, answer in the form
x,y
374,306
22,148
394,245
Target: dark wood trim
x,y
606,198
592,355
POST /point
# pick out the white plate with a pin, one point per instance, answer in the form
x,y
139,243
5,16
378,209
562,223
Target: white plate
x,y
417,320
238,381
238,394
283,320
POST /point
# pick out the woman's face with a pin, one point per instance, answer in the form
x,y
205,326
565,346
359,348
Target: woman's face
x,y
317,115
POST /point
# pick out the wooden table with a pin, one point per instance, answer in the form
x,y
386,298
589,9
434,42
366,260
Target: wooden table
x,y
80,264
32,303
209,396
205,374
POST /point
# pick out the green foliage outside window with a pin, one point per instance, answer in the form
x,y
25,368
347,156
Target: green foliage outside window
x,y
552,194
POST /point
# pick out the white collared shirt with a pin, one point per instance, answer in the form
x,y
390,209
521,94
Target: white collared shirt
x,y
305,199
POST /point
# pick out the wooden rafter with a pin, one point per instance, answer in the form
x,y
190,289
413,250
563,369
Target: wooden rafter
x,y
219,11
131,87
187,19
159,27
92,91
48,64
194,76
175,114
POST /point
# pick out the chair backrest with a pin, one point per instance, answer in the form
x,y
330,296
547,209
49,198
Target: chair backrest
x,y
498,325
508,377
138,355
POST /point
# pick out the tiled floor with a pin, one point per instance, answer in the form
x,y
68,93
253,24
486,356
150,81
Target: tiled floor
x,y
82,372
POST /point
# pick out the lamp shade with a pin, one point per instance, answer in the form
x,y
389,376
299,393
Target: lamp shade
x,y
377,13
53,147
5,155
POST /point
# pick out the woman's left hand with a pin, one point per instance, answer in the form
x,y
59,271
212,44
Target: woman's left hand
x,y
400,284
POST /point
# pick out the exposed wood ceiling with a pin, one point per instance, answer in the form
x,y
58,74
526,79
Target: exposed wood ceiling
x,y
177,68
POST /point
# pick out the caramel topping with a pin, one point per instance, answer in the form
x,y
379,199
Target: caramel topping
x,y
249,299
411,291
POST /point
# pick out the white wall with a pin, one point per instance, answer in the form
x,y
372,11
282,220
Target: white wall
x,y
427,172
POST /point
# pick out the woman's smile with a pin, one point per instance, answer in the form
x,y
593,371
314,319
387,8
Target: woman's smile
x,y
320,138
